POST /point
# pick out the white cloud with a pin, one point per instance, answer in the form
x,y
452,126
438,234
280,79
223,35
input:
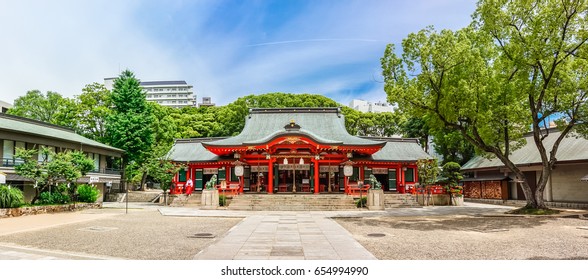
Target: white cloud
x,y
63,45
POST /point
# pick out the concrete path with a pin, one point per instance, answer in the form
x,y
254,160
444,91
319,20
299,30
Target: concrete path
x,y
280,235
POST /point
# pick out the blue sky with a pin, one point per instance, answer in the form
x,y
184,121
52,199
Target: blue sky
x,y
225,49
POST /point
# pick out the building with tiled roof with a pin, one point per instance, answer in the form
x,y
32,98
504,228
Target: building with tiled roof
x,y
490,179
297,150
18,132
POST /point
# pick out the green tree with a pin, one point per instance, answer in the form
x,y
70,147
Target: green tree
x,y
50,108
428,170
130,126
451,173
415,127
47,168
452,146
519,64
94,108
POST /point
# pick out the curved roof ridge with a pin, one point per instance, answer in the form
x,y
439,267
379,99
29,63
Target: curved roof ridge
x,y
327,124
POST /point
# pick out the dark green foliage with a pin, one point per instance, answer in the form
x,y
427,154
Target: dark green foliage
x,y
87,193
361,202
222,200
10,197
57,197
130,126
451,173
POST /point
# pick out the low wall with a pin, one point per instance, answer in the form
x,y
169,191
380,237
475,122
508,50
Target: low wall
x,y
521,203
44,209
438,199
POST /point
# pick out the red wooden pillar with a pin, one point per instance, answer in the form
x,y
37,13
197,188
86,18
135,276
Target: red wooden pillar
x,y
402,183
270,177
415,173
316,176
241,183
361,170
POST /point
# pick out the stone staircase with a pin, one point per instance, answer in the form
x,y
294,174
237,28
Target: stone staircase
x,y
183,200
398,200
292,202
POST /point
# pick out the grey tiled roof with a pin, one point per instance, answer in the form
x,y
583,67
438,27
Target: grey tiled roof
x,y
41,129
398,149
191,150
571,148
324,125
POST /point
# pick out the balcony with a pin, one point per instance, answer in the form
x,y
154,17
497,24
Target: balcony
x,y
10,162
112,171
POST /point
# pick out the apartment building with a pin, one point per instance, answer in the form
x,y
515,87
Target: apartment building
x,y
366,106
175,94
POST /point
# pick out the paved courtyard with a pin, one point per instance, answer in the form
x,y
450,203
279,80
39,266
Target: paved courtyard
x,y
149,232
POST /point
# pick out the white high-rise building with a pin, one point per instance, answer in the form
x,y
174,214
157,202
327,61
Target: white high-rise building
x,y
176,94
366,106
4,106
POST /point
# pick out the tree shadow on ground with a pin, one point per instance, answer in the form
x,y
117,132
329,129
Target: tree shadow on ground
x,y
461,223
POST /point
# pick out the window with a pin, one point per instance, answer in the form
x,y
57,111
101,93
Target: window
x,y
9,152
96,158
41,156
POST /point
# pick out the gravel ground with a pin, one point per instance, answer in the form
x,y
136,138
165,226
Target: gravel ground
x,y
139,235
471,238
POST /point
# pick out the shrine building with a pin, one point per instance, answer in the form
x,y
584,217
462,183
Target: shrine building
x,y
296,150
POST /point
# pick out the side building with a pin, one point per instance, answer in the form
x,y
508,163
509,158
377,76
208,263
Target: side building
x,y
17,132
489,179
297,150
175,94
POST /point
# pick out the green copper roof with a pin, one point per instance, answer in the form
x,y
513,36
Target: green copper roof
x,y
37,128
399,150
571,148
191,150
324,125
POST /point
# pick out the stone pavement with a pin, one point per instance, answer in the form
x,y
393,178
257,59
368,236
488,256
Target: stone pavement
x,y
261,235
40,222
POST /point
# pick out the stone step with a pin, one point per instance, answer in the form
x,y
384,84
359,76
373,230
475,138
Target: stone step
x,y
292,202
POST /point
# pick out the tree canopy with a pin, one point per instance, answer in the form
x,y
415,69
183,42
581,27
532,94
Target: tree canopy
x,y
519,64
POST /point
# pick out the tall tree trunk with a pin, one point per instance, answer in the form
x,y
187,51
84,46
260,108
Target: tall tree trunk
x,y
143,180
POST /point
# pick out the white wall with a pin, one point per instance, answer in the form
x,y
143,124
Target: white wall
x,y
566,184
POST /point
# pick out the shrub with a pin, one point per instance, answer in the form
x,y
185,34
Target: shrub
x,y
10,197
53,198
222,200
362,202
87,193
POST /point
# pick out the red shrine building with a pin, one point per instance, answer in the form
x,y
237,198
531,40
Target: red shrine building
x,y
296,150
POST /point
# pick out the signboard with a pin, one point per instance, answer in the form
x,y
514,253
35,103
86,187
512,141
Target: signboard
x,y
239,170
261,168
2,178
94,179
210,171
348,170
379,170
294,167
333,169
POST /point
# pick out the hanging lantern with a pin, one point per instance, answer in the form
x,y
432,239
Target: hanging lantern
x,y
285,161
301,161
